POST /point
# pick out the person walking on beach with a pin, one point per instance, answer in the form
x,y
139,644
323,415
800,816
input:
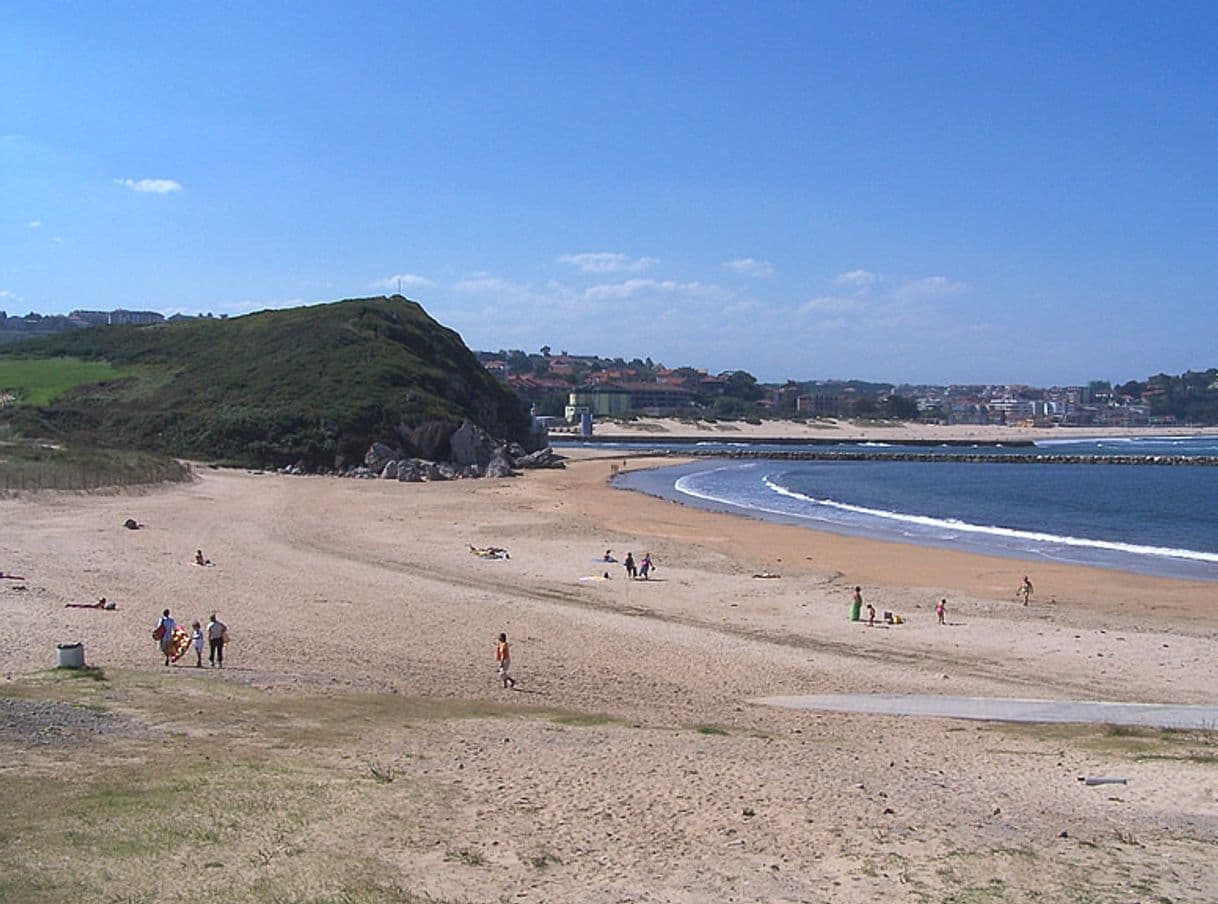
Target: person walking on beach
x,y
164,633
941,611
1026,590
870,616
503,656
631,571
645,566
217,633
196,641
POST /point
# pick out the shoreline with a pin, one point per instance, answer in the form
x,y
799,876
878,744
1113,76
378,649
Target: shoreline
x,y
899,566
975,539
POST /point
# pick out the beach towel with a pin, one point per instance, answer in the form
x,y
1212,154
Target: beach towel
x,y
179,644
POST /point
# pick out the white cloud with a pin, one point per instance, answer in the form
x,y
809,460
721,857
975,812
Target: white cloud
x,y
608,262
743,306
505,292
150,186
828,304
928,287
12,296
747,266
632,288
484,282
856,279
406,280
34,224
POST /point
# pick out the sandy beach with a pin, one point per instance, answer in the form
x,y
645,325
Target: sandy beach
x,y
876,431
631,763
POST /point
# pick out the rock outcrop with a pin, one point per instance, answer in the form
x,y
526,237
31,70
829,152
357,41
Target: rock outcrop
x,y
471,445
377,456
499,465
542,458
474,454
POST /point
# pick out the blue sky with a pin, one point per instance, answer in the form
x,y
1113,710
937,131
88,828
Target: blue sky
x,y
939,192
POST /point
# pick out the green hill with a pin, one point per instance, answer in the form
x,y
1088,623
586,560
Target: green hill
x,y
314,384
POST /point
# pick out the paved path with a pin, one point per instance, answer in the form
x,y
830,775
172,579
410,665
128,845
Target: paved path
x,y
999,709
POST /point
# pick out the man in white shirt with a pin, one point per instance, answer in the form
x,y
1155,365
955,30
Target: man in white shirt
x,y
217,633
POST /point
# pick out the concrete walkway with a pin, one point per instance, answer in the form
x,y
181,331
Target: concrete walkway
x,y
999,709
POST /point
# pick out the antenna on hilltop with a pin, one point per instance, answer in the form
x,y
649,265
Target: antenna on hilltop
x,y
399,285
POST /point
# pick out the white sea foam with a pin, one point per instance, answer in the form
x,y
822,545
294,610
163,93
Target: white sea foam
x,y
993,530
934,526
1123,440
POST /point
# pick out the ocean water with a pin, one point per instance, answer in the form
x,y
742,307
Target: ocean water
x,y
1151,519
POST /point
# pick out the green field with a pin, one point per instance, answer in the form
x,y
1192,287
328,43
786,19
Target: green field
x,y
38,381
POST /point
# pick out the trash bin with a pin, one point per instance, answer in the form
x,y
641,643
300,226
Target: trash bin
x,y
70,655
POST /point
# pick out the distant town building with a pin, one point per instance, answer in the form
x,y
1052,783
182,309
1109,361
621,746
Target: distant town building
x,y
120,315
14,329
618,400
819,404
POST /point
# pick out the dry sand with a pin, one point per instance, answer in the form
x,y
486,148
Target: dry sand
x,y
667,783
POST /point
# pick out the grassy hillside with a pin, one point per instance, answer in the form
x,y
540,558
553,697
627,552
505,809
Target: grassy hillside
x,y
316,384
37,381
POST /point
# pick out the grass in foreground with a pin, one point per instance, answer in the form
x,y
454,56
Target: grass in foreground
x,y
245,795
1130,742
30,465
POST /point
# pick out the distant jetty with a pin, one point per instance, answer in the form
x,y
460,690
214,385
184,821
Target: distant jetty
x,y
786,441
656,447
1012,458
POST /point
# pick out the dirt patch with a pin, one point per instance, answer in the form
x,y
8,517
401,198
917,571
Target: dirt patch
x,y
50,724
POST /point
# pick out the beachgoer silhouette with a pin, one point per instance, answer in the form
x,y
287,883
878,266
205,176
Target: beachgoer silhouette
x,y
503,656
165,628
217,634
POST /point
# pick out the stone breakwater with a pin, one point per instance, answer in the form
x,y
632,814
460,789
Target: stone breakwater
x,y
1011,458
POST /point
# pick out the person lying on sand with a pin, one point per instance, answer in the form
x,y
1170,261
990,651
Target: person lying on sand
x,y
199,560
132,524
489,552
100,604
11,577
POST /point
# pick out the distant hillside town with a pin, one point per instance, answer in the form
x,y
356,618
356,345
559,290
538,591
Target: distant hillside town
x,y
562,387
14,329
